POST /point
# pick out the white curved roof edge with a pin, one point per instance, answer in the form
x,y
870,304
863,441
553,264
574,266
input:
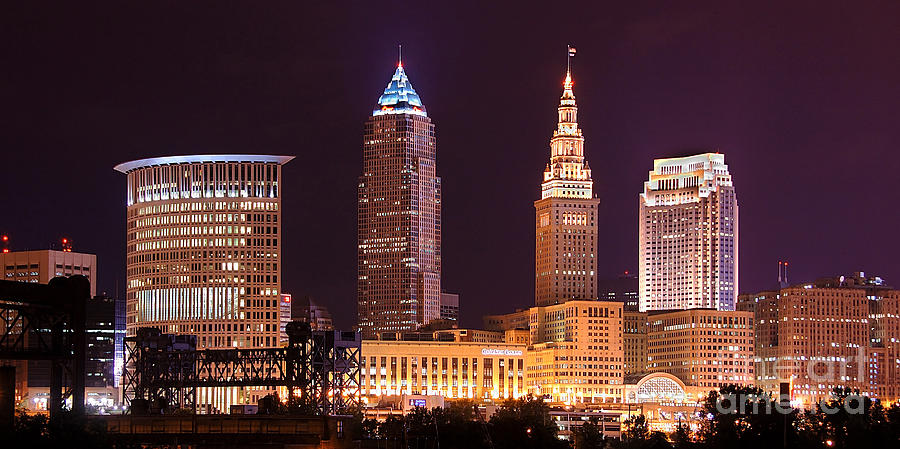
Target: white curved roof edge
x,y
126,167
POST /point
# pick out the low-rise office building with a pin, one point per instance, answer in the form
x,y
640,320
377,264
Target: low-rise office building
x,y
486,372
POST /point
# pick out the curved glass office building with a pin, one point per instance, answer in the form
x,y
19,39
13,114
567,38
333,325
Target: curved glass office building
x,y
204,247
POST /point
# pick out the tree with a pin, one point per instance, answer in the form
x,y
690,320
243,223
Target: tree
x,y
683,437
636,434
849,419
741,416
369,429
69,430
636,429
420,426
271,404
524,423
391,428
459,427
590,435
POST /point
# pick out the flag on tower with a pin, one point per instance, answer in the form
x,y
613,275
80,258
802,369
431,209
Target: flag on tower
x,y
571,50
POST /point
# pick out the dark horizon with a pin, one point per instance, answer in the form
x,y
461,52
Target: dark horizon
x,y
802,99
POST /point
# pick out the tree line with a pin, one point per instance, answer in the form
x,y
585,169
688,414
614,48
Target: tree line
x,y
847,420
734,417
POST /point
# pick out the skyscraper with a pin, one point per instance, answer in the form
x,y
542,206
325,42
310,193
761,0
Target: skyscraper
x,y
399,215
688,245
566,215
204,247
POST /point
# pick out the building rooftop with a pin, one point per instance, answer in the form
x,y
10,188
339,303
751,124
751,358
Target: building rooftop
x,y
126,167
399,97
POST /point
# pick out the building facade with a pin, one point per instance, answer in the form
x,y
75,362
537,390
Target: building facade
x,y
835,332
399,215
702,347
688,243
576,352
449,307
104,360
42,265
482,371
103,338
204,247
623,289
520,319
284,317
634,341
566,215
305,308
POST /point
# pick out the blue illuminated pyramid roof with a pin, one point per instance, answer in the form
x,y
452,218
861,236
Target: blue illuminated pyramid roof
x,y
399,97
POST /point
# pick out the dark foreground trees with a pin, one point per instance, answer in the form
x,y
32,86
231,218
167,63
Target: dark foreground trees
x,y
518,423
734,417
746,417
70,431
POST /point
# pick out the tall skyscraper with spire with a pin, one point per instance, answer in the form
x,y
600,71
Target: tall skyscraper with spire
x,y
399,219
566,214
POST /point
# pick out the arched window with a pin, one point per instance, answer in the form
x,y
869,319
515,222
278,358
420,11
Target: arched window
x,y
660,389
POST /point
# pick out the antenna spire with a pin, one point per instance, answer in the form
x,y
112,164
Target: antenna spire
x,y
400,54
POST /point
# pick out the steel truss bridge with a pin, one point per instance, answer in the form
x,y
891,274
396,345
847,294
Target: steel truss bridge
x,y
47,322
320,371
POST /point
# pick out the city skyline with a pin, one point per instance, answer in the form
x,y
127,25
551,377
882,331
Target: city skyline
x,y
71,125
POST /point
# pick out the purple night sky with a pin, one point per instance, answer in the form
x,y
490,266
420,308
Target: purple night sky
x,y
802,97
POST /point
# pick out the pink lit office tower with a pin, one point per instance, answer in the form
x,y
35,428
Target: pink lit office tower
x,y
688,244
204,247
399,215
566,215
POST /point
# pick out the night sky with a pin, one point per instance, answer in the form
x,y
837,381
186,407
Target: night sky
x,y
803,98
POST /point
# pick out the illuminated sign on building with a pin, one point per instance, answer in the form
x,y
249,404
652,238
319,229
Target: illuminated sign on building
x,y
489,351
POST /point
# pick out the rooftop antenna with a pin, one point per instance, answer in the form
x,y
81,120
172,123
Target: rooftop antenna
x,y
400,52
782,274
